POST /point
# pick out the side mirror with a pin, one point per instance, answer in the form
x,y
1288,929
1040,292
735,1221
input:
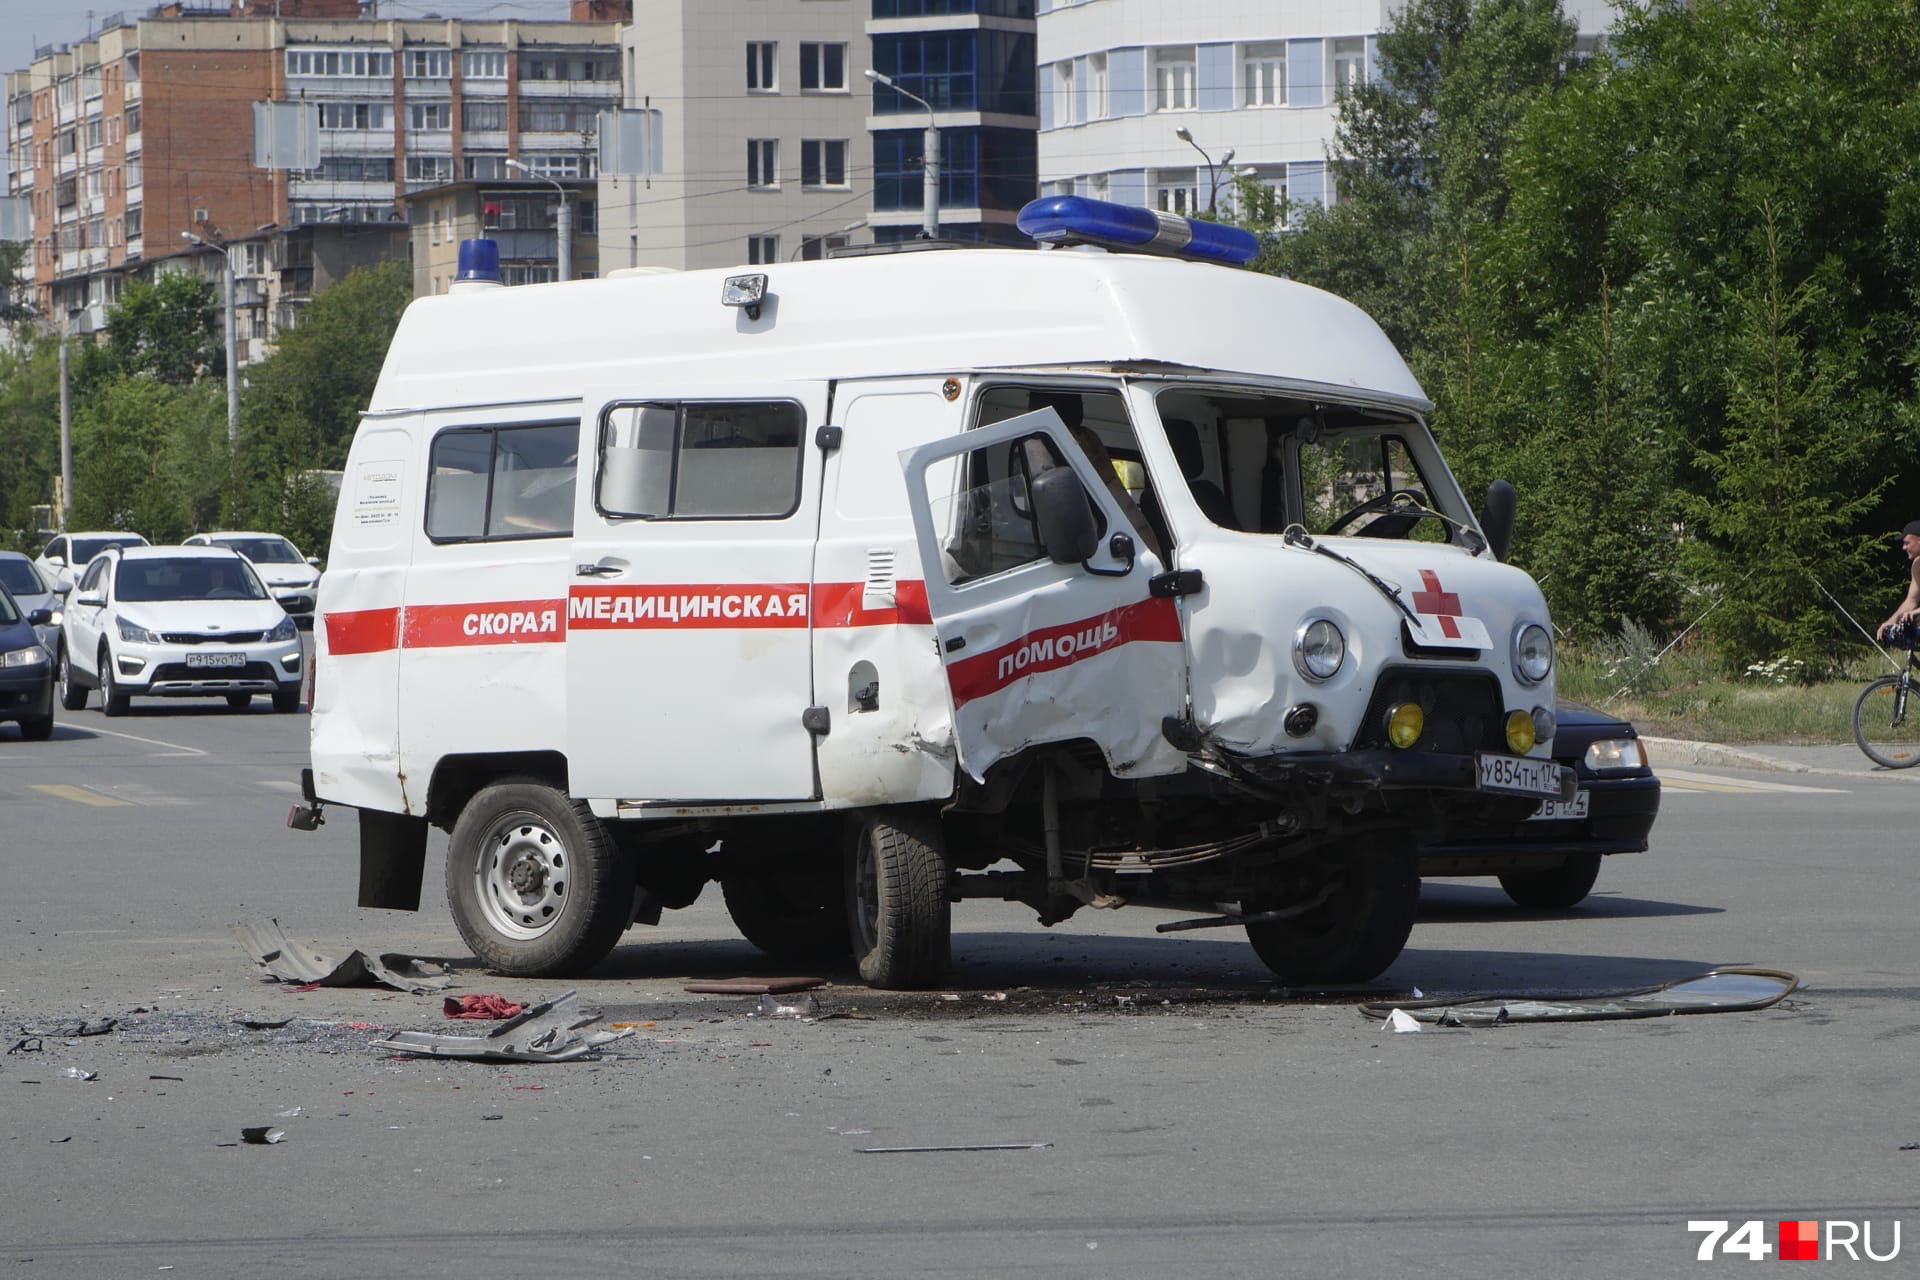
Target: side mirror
x,y
61,588
1063,516
1496,520
93,598
313,561
40,618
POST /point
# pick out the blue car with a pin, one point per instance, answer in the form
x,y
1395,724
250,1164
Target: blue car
x,y
26,670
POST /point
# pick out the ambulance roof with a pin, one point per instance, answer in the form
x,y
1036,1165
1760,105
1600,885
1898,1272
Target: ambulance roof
x,y
927,312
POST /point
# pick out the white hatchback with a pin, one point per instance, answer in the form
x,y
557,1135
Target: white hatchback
x,y
293,578
176,622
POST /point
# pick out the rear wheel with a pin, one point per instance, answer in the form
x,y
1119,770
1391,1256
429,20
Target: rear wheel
x,y
114,700
789,902
1886,723
1563,886
900,921
239,701
73,696
538,887
1362,914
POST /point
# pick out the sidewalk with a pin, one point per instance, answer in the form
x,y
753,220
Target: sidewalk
x,y
1830,758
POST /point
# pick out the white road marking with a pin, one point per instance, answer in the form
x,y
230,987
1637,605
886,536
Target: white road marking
x,y
1690,782
178,749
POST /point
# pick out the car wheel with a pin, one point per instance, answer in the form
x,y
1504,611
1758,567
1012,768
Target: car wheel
x,y
113,701
1564,886
537,885
788,902
899,919
239,701
285,700
73,696
37,728
1351,921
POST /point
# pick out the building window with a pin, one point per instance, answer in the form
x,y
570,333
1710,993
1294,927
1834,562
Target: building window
x,y
377,63
486,166
430,115
133,223
1349,64
604,67
559,164
762,250
763,66
429,169
1264,69
823,162
1176,191
561,115
356,115
483,115
1175,72
483,64
133,120
763,162
823,67
427,64
350,168
1066,108
512,273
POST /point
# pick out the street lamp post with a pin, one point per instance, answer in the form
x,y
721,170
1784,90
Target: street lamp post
x,y
1213,183
930,220
563,224
233,367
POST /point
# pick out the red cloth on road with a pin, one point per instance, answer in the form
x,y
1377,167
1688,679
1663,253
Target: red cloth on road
x,y
493,1007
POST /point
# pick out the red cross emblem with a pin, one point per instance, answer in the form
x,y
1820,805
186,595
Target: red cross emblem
x,y
1444,605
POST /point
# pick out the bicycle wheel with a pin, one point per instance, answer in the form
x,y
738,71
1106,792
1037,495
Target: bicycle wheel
x,y
1886,723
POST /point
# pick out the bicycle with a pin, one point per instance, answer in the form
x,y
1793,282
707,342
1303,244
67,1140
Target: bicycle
x,y
1882,725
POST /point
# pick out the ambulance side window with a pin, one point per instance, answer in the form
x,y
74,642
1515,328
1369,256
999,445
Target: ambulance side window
x,y
498,483
701,460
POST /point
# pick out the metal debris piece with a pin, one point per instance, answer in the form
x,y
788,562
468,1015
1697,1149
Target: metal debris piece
x,y
546,1032
1734,988
281,961
771,1006
262,1134
753,986
79,1073
262,1024
971,1146
1400,1020
29,1044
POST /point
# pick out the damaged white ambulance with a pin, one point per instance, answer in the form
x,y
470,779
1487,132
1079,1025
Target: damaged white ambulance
x,y
1101,574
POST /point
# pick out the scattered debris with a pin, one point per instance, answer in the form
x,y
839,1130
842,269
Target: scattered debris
x,y
68,1138
1726,990
546,1032
971,1146
771,1007
79,1073
262,1024
281,961
175,1079
262,1135
481,1007
28,1044
753,986
1399,1021
1910,1146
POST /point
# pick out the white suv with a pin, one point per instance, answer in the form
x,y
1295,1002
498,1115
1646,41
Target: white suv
x,y
176,622
293,578
61,561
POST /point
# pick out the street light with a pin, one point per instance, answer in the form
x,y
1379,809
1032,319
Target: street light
x,y
563,225
233,368
1213,183
930,220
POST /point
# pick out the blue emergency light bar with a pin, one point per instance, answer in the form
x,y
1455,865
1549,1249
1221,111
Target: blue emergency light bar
x,y
479,260
1064,220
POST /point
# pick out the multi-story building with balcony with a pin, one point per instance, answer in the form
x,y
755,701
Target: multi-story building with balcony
x,y
129,142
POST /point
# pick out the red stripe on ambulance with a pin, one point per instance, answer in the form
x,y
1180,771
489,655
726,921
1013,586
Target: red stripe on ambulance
x,y
447,626
363,631
843,604
620,608
1154,621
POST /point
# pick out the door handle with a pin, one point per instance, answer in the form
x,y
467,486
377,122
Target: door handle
x,y
596,570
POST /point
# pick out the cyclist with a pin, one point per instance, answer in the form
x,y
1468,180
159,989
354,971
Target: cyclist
x,y
1893,630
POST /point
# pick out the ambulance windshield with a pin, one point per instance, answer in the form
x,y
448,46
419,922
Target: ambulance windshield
x,y
1259,464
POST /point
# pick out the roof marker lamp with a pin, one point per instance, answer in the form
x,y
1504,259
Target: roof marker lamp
x,y
748,293
1075,220
479,262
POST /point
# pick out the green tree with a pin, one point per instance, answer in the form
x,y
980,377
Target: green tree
x,y
149,457
16,304
29,432
167,329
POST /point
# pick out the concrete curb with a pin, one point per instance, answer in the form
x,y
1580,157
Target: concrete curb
x,y
1679,751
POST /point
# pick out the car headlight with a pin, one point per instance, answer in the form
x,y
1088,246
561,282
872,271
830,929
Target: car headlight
x,y
55,617
1319,649
1532,653
1616,753
133,633
31,656
283,630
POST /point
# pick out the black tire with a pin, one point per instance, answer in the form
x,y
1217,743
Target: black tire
x,y
899,918
537,886
1357,932
239,701
113,700
286,700
1889,744
1564,886
37,728
73,696
792,908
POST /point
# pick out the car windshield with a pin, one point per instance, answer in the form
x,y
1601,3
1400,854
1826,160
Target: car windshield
x,y
21,578
264,550
85,549
186,579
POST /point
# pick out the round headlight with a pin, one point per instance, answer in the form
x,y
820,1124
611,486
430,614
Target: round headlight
x,y
1319,649
1532,653
1405,723
1519,732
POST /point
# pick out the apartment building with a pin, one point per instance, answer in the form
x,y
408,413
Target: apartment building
x,y
1148,103
131,142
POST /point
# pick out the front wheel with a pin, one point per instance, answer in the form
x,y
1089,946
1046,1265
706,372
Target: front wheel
x,y
538,887
1563,886
285,700
73,696
1886,723
37,728
1361,914
114,701
239,701
899,918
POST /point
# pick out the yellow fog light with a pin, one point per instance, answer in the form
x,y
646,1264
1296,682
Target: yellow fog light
x,y
1520,735
1405,724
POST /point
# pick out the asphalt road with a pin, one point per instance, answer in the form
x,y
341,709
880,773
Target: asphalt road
x,y
1193,1118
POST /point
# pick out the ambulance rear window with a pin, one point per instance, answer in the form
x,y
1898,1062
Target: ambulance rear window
x,y
702,460
489,483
